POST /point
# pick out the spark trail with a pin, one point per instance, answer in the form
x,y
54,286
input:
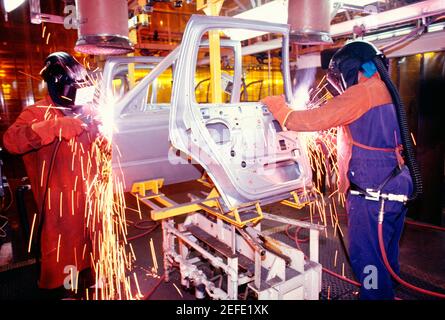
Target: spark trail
x,y
321,148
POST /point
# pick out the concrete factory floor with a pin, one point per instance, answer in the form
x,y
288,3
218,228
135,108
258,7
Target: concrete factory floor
x,y
420,255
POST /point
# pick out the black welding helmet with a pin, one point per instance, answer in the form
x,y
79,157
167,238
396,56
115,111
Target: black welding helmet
x,y
346,63
63,75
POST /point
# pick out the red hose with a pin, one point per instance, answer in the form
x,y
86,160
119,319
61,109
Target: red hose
x,y
148,229
332,273
355,283
395,276
424,225
156,286
295,237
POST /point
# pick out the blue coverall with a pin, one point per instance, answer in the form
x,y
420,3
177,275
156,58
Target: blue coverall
x,y
366,114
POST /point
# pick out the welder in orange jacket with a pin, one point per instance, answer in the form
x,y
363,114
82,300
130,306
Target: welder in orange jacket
x,y
372,137
55,144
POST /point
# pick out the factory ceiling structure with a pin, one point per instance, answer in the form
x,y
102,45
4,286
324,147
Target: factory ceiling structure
x,y
222,150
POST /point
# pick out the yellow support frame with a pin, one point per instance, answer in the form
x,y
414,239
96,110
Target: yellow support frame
x,y
297,204
148,193
213,8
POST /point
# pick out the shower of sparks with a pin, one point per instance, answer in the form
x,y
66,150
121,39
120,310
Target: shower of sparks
x,y
179,291
32,232
140,295
153,256
58,247
111,255
321,148
29,75
106,218
139,207
335,258
42,174
414,139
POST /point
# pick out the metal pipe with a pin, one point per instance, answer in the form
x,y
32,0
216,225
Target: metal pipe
x,y
255,245
293,222
391,17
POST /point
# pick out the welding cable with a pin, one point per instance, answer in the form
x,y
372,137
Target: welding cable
x,y
408,148
148,229
36,249
339,276
388,266
156,286
332,273
424,225
297,231
2,207
45,195
342,240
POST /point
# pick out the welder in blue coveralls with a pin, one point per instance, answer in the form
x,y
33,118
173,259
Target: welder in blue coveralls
x,y
375,154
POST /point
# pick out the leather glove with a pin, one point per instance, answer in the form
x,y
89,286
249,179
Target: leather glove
x,y
278,107
65,127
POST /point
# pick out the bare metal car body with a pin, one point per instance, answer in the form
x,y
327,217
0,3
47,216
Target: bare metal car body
x,y
141,149
240,145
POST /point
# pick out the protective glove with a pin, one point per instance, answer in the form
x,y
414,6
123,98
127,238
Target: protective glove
x,y
64,127
278,107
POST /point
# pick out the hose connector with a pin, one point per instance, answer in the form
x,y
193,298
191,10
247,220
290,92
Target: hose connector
x,y
381,211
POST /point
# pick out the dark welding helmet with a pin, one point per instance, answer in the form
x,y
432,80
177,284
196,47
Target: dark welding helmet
x,y
346,63
64,75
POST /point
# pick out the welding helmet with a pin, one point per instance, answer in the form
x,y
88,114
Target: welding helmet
x,y
64,75
346,63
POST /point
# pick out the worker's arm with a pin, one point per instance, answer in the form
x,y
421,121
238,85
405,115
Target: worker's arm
x,y
30,131
20,138
339,111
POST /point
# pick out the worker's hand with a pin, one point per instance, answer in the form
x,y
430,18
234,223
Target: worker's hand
x,y
278,107
62,127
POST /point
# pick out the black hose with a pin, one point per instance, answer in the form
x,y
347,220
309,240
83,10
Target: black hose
x,y
408,148
42,209
21,209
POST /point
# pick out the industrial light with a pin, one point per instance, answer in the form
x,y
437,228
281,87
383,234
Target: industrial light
x,y
11,5
388,34
436,27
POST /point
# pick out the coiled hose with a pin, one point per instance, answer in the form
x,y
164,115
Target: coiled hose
x,y
408,149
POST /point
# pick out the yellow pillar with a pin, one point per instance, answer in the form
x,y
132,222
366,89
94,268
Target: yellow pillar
x,y
133,36
212,8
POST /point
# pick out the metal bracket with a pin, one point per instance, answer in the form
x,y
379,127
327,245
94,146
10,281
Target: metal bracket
x,y
297,204
373,195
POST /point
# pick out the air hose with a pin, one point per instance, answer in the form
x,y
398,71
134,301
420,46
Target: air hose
x,y
387,264
408,149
